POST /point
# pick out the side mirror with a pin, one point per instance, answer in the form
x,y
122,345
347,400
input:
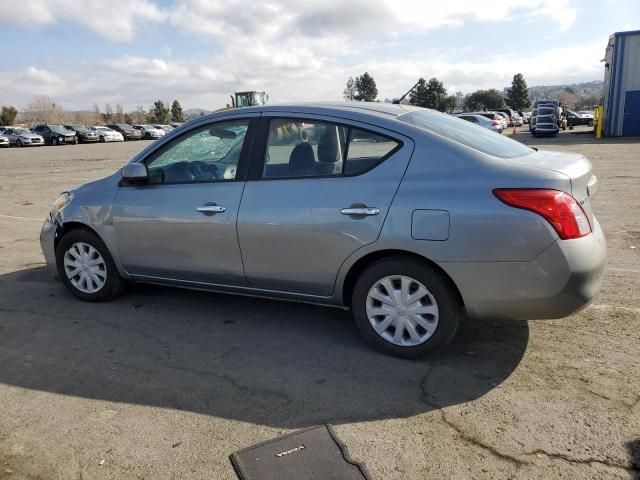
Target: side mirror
x,y
135,173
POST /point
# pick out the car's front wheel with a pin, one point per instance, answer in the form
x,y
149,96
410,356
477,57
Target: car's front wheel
x,y
18,143
86,267
406,307
54,141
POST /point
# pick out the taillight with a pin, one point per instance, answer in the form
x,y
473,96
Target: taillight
x,y
560,209
495,122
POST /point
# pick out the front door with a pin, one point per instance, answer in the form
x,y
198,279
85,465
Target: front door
x,y
182,224
322,191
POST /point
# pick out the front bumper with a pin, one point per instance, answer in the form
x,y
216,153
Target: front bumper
x,y
47,243
560,281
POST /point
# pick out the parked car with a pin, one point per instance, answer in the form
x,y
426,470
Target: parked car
x,y
431,220
505,119
2,129
4,141
526,117
574,119
83,134
177,124
127,131
586,113
56,134
21,137
149,132
165,128
517,120
106,134
510,115
482,121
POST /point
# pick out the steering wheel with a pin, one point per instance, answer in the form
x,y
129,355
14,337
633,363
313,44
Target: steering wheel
x,y
200,170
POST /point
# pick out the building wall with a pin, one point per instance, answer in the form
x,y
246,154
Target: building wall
x,y
622,75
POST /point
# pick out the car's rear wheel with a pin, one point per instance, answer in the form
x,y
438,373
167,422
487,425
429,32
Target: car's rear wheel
x,y
101,139
406,307
86,267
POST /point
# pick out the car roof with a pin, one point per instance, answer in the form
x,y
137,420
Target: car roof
x,y
377,109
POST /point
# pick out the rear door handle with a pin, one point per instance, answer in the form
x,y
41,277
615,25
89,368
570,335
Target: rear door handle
x,y
360,211
211,209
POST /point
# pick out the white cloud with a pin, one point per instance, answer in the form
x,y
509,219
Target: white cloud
x,y
116,20
294,50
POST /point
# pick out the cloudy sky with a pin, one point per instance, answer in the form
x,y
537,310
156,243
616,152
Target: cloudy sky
x,y
199,51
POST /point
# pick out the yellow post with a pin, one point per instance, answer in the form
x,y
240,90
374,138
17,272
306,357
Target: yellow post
x,y
599,115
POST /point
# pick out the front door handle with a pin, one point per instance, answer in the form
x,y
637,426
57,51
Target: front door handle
x,y
357,211
211,209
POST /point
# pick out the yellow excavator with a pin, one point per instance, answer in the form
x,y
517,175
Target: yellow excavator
x,y
246,99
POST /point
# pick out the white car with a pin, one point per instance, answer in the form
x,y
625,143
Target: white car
x,y
482,121
165,128
107,135
4,142
586,114
149,132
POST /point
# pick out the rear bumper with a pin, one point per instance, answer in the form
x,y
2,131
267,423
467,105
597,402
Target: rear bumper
x,y
561,280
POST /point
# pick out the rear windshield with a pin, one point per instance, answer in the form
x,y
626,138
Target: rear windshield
x,y
466,133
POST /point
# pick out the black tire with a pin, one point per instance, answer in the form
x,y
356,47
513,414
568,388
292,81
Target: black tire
x,y
590,123
451,311
113,285
54,141
18,143
147,136
101,139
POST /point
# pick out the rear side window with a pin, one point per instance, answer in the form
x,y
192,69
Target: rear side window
x,y
310,148
466,133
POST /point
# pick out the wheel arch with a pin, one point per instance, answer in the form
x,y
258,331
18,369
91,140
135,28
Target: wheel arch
x,y
70,226
362,263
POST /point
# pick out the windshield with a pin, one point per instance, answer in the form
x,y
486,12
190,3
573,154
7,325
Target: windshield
x,y
466,133
22,131
59,129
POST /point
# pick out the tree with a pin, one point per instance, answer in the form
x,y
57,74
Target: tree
x,y
96,113
160,112
128,119
431,94
365,88
450,103
139,116
350,90
176,112
518,94
43,110
482,99
107,116
119,116
8,115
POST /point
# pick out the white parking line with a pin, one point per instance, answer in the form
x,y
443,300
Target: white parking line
x,y
12,217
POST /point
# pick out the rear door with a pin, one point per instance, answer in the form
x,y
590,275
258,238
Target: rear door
x,y
319,190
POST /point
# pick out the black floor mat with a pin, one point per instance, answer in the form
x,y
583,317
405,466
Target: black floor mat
x,y
312,454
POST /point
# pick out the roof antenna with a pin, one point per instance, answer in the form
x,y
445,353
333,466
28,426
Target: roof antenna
x,y
397,101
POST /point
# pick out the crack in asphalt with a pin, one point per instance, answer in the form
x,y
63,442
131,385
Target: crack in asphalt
x,y
514,458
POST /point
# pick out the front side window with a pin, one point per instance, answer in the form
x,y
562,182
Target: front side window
x,y
206,154
310,148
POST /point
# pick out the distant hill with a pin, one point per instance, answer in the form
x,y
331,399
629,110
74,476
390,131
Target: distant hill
x,y
195,113
574,95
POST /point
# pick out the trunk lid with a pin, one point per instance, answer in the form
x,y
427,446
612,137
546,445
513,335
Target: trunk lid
x,y
573,165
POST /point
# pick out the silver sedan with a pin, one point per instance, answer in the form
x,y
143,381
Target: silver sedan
x,y
413,219
21,137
